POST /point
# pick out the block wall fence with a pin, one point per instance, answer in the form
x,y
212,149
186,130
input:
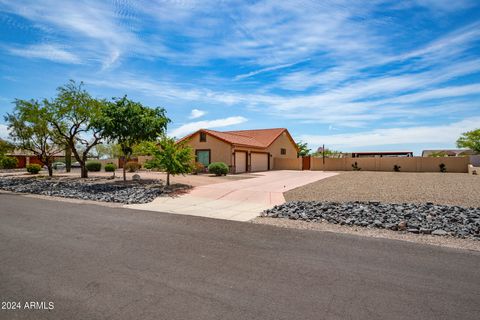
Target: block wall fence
x,y
407,164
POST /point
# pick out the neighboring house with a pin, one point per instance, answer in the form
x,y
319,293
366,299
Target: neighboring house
x,y
381,154
244,150
25,158
448,153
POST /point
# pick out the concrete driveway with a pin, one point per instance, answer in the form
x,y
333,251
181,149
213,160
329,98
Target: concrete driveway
x,y
239,200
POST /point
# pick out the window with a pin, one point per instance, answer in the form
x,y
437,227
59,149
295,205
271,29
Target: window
x,y
203,156
283,151
203,137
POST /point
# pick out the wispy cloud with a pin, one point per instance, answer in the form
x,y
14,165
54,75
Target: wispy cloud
x,y
207,124
51,52
443,134
273,68
196,113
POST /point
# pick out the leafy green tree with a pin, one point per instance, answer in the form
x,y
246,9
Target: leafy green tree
x,y
144,148
109,150
31,131
470,140
173,158
328,153
303,149
128,123
5,147
74,114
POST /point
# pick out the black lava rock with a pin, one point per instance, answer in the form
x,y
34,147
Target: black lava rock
x,y
425,218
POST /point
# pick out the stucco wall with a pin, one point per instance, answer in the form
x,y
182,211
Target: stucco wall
x,y
219,150
282,142
407,164
287,164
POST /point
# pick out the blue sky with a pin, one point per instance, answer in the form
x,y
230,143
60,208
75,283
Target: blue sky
x,y
353,75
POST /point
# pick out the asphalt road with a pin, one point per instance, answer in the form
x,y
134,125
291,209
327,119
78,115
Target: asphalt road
x,y
95,262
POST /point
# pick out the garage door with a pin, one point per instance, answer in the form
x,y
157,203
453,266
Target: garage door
x,y
240,162
259,161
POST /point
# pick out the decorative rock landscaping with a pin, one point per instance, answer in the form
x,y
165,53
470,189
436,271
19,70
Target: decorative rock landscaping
x,y
413,218
96,190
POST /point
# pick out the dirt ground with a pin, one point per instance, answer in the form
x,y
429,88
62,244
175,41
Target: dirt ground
x,y
393,187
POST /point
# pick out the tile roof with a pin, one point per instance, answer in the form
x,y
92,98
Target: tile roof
x,y
260,138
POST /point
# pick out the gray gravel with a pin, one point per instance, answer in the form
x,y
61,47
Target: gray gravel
x,y
426,218
93,189
393,187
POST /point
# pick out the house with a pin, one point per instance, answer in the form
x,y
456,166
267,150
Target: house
x,y
448,153
244,150
25,157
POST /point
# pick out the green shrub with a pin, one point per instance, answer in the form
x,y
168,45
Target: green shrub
x,y
149,165
8,163
443,167
34,168
218,168
355,167
132,166
93,166
110,167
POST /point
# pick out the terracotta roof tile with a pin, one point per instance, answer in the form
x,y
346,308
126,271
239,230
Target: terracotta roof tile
x,y
260,138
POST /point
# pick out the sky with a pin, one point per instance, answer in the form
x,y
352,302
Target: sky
x,y
353,75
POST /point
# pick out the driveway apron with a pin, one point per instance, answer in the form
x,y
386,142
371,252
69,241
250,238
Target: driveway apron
x,y
239,200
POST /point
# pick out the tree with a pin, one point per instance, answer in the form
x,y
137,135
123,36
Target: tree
x,y
174,158
144,148
107,150
303,149
5,147
74,114
128,123
470,140
327,153
31,131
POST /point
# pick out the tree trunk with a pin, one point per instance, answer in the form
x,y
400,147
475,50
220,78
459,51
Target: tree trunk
x,y
124,172
168,179
50,170
84,171
68,158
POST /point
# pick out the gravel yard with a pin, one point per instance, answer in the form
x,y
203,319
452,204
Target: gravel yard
x,y
95,189
393,187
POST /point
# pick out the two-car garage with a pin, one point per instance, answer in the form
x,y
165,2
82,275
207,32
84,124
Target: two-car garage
x,y
258,161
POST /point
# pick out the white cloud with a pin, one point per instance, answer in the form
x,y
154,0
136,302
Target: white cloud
x,y
51,52
196,113
273,68
440,134
4,131
207,124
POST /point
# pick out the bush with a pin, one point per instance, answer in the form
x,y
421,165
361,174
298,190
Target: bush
x,y
198,168
396,168
355,167
218,168
149,165
8,163
132,166
94,166
443,167
34,168
110,167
